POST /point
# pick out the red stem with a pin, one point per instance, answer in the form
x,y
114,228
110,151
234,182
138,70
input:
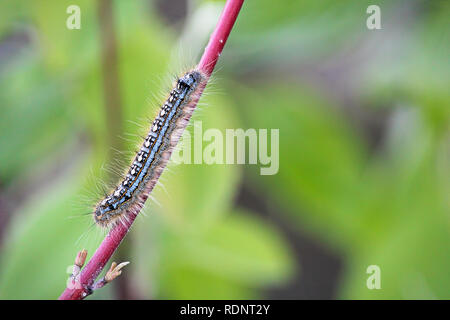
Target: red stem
x,y
220,36
112,241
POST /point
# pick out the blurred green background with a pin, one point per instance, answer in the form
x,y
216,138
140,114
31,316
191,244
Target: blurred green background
x,y
364,173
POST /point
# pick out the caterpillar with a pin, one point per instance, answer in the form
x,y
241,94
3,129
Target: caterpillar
x,y
131,193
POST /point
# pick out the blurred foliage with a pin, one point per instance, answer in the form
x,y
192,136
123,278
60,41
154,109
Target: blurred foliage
x,y
284,68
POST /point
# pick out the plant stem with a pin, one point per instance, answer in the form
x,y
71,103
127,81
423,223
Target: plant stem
x,y
111,242
220,36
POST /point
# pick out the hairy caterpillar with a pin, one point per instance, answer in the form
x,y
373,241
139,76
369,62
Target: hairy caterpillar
x,y
132,192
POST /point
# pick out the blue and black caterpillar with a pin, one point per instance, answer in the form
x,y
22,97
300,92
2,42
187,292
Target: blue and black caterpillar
x,y
130,195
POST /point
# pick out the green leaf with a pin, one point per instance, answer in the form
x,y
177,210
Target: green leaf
x,y
42,242
406,219
239,251
320,156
